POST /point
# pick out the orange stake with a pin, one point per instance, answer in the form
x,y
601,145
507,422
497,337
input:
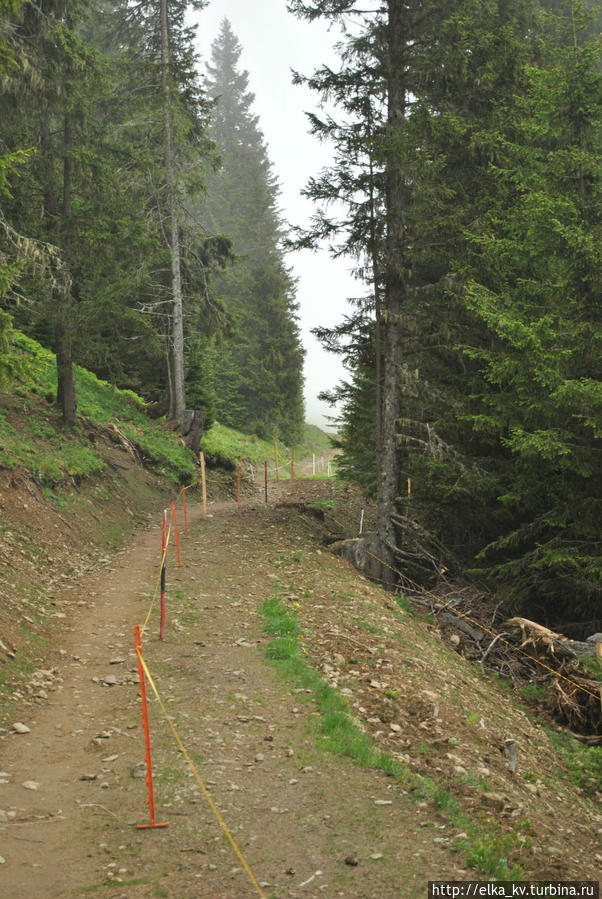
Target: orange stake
x,y
184,489
147,745
175,530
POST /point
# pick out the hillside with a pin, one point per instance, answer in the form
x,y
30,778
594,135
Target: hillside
x,y
69,497
349,748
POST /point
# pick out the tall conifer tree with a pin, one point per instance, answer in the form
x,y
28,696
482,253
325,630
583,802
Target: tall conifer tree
x,y
258,374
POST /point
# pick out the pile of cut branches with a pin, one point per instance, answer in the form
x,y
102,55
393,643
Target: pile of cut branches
x,y
525,652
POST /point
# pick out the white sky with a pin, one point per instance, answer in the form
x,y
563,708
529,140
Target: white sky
x,y
274,42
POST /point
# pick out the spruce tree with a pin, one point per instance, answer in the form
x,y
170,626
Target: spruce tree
x,y
258,373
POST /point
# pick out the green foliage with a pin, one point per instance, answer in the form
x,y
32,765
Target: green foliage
x,y
498,155
44,448
584,764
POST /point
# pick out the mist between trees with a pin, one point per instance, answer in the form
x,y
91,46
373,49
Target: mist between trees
x,y
141,234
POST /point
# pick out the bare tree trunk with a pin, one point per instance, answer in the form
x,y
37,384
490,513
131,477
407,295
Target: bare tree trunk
x,y
175,354
376,278
65,393
390,456
51,209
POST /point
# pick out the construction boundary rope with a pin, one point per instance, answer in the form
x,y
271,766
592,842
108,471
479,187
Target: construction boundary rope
x,y
498,637
178,739
199,780
483,627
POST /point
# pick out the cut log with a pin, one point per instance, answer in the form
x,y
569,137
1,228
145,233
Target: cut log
x,y
542,638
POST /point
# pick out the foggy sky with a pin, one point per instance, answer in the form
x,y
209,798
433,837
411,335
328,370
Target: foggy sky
x,y
274,42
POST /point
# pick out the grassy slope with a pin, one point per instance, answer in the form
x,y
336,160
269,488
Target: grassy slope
x,y
227,445
32,437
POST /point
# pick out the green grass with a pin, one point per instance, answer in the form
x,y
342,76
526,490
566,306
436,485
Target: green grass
x,y
593,665
487,849
583,763
38,441
227,445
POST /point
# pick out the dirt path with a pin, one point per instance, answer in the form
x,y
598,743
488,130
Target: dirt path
x,y
296,811
309,822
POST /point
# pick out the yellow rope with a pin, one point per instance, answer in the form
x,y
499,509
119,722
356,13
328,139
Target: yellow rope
x,y
481,626
197,777
157,589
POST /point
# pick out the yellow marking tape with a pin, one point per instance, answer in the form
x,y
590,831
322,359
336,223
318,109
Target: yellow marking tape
x,y
157,589
197,777
473,621
482,626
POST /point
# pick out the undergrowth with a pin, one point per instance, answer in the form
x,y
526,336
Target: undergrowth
x,y
583,763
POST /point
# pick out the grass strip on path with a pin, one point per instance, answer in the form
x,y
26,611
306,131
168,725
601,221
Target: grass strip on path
x,y
487,849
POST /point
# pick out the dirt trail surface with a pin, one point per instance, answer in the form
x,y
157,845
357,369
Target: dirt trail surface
x,y
309,822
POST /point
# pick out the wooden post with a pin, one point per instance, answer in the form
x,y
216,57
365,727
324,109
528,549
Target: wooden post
x,y
292,466
203,484
276,457
185,513
313,466
266,480
163,552
175,528
239,476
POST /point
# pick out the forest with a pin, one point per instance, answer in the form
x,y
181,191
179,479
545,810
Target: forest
x,y
140,233
140,237
466,189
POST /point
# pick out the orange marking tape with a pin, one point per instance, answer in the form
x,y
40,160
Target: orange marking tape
x,y
198,779
147,745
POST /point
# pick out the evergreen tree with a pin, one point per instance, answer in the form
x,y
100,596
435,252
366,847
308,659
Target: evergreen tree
x,y
497,221
258,373
167,44
106,169
536,275
51,49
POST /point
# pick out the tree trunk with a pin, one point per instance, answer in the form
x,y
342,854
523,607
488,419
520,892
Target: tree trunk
x,y
376,278
65,393
51,206
175,354
390,456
